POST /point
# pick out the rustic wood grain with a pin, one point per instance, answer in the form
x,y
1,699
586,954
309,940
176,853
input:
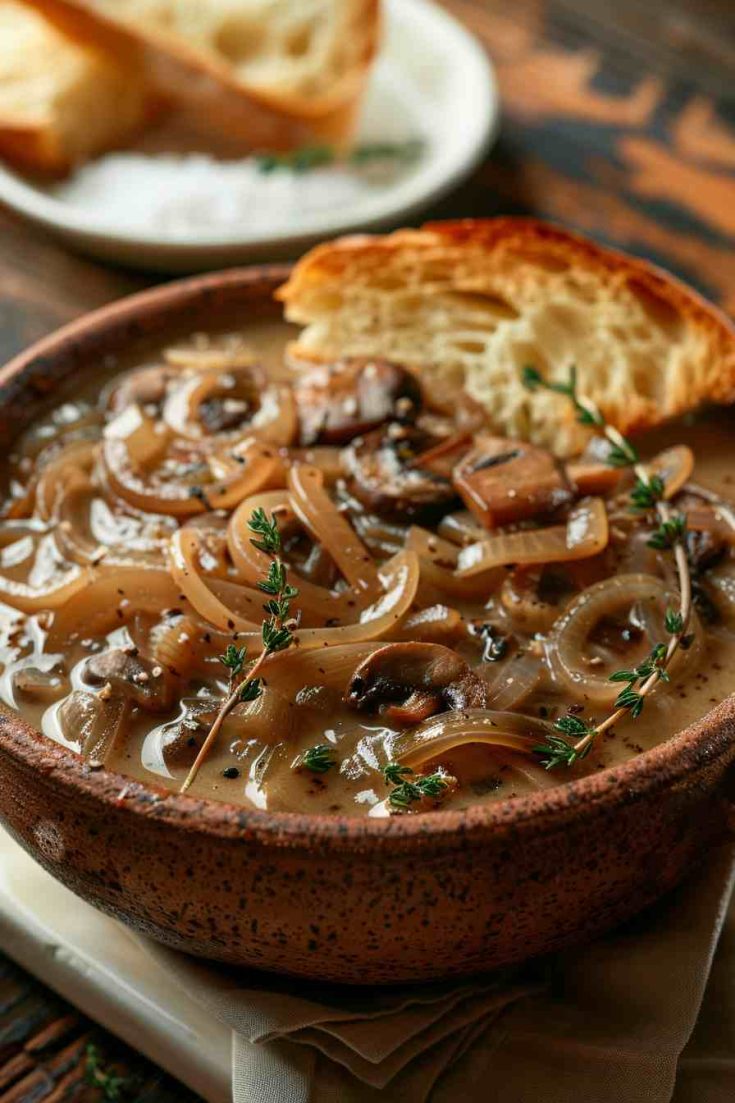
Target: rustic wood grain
x,y
43,1051
618,119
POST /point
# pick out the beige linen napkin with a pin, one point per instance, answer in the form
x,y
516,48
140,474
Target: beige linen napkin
x,y
607,1023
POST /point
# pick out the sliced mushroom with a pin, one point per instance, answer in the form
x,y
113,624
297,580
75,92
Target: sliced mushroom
x,y
94,722
129,675
338,402
384,478
409,682
589,477
41,685
503,481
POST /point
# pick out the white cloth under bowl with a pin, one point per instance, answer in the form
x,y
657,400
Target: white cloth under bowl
x,y
612,1022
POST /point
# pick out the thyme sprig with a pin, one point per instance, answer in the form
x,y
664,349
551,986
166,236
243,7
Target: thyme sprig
x,y
308,158
276,633
319,759
112,1087
410,787
577,736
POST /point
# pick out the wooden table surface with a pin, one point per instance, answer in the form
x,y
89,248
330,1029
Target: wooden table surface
x,y
618,119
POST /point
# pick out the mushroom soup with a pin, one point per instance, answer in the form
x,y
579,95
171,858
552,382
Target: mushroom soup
x,y
325,589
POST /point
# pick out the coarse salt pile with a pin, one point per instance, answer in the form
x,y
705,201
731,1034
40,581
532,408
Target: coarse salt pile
x,y
180,196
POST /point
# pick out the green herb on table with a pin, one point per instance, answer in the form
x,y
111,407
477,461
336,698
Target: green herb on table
x,y
98,1075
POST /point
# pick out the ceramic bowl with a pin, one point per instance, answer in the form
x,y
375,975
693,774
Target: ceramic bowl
x,y
363,901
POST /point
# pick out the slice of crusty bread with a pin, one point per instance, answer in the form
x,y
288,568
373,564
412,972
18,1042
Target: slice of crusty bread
x,y
281,73
471,303
61,100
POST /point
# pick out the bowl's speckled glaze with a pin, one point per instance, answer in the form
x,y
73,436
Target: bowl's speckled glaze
x,y
362,901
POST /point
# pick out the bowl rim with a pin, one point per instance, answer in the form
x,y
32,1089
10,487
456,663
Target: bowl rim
x,y
702,743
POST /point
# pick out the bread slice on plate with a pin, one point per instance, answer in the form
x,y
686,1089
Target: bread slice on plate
x,y
280,73
470,304
61,100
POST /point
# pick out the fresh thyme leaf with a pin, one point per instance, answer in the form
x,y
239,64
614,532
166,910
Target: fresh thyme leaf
x,y
669,532
234,659
653,662
587,417
622,454
267,529
623,676
432,785
572,725
404,795
556,752
276,580
114,1088
276,637
673,622
531,378
586,414
383,151
251,689
645,494
394,773
297,160
317,156
648,493
409,792
631,700
276,633
318,759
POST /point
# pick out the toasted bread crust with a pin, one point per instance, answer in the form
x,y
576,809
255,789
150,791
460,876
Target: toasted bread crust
x,y
63,97
264,118
535,270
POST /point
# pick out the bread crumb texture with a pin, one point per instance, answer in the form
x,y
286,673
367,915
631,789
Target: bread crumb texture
x,y
61,100
469,304
302,47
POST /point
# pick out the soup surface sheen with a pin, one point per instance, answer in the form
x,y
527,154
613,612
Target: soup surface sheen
x,y
451,586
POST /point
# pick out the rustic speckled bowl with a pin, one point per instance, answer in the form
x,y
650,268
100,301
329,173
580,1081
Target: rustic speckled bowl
x,y
364,901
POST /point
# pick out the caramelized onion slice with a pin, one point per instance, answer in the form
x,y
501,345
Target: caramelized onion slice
x,y
438,561
317,602
236,474
314,507
399,579
268,411
584,535
673,465
433,624
441,734
516,679
108,596
68,469
184,559
522,601
40,599
461,528
568,645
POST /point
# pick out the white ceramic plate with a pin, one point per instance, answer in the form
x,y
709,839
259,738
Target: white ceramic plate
x,y
432,80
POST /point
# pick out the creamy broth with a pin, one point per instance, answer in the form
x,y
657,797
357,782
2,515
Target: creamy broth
x,y
74,508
